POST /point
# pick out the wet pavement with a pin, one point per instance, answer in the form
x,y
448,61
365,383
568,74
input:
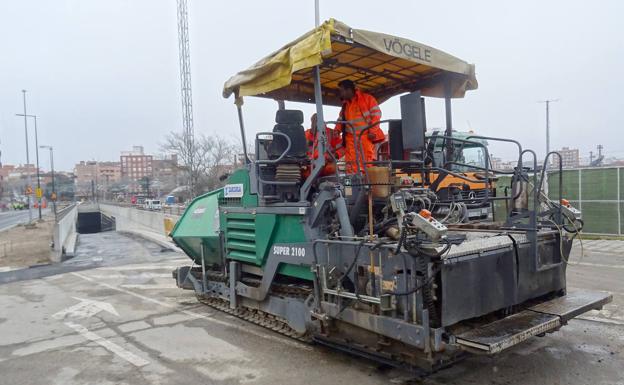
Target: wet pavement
x,y
12,218
125,322
97,250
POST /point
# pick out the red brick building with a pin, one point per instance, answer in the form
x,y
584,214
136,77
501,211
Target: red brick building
x,y
135,164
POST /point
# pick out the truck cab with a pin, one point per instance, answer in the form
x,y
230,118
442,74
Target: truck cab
x,y
467,159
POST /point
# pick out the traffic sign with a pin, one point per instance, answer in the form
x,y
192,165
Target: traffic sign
x,y
39,192
29,190
53,196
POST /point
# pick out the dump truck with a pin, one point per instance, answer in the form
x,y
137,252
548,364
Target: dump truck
x,y
370,263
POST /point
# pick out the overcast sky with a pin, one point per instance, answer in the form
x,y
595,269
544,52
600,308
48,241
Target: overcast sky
x,y
103,75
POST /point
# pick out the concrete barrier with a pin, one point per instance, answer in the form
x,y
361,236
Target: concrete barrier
x,y
149,224
65,233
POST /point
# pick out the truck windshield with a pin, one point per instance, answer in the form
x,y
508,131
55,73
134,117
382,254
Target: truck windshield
x,y
474,156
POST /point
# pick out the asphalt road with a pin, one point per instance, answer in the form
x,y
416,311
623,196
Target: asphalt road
x,y
11,218
129,324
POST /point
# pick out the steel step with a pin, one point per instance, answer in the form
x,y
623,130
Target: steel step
x,y
574,303
544,317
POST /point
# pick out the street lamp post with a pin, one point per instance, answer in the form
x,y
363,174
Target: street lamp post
x,y
37,157
53,184
547,102
27,156
39,192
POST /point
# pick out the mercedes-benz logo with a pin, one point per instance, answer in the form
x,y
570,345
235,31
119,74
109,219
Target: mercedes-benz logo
x,y
471,195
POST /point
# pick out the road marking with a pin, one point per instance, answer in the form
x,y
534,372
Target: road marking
x,y
108,345
143,267
598,265
132,276
85,308
284,340
148,286
4,269
601,319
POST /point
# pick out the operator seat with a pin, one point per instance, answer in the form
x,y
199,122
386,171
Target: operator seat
x,y
289,123
287,173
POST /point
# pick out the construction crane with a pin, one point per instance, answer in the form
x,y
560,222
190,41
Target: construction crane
x,y
185,87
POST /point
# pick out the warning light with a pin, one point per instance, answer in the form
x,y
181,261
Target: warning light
x,y
565,202
425,213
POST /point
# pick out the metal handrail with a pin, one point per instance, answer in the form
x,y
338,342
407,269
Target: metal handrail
x,y
269,161
259,162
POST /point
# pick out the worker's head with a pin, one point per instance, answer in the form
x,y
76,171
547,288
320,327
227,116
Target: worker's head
x,y
313,122
347,89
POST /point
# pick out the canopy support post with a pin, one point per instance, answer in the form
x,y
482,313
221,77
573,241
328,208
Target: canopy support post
x,y
319,162
239,108
449,119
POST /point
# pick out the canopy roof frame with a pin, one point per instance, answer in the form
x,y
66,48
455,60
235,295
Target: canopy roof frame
x,y
365,57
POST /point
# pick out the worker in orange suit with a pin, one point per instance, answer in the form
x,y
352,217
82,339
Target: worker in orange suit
x,y
333,150
360,110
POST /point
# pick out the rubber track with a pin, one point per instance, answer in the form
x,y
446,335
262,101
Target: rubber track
x,y
258,317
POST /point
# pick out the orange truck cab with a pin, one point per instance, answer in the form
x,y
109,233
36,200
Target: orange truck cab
x,y
467,160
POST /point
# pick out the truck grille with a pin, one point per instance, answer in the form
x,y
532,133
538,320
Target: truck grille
x,y
473,194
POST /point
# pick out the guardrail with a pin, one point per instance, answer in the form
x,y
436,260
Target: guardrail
x,y
153,224
167,209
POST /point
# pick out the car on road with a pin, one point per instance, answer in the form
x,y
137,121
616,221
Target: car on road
x,y
152,204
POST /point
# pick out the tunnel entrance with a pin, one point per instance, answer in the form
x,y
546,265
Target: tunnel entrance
x,y
94,222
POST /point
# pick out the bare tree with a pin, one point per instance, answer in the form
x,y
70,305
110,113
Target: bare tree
x,y
211,157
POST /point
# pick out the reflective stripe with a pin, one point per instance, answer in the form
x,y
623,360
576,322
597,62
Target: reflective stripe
x,y
375,108
376,113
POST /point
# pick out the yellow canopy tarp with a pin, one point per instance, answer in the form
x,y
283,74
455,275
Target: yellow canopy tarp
x,y
380,64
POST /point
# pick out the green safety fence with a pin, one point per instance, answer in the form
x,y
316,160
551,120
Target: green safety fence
x,y
597,192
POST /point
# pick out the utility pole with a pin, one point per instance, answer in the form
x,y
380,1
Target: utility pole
x,y
547,102
37,165
600,148
591,157
53,183
187,97
30,216
39,192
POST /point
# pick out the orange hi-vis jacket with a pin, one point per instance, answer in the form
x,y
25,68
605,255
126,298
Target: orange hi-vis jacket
x,y
361,111
334,143
334,146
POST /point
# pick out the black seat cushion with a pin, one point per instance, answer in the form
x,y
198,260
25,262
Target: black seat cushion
x,y
298,145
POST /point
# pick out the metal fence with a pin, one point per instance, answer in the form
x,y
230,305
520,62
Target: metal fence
x,y
597,192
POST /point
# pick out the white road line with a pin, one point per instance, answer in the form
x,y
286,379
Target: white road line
x,y
142,267
600,319
148,286
108,345
283,340
124,276
598,265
